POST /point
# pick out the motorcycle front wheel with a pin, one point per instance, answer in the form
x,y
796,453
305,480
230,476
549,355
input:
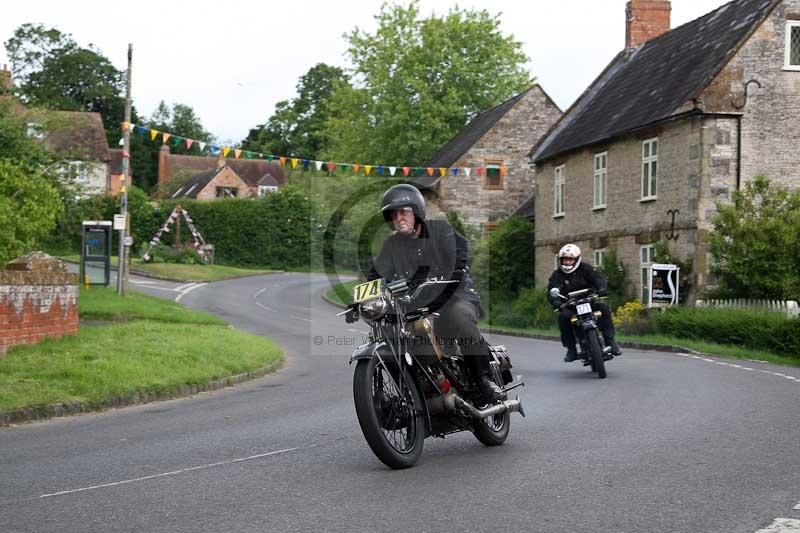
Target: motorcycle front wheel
x,y
389,411
596,352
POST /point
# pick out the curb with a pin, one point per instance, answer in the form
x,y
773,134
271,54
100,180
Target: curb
x,y
43,412
144,274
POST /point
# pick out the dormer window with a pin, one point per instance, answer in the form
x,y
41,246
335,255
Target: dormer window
x,y
792,45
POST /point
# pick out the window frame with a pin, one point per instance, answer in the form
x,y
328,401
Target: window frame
x,y
601,174
645,267
559,190
790,28
599,257
650,162
264,190
223,189
493,163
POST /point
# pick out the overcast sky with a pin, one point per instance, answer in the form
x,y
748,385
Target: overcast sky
x,y
232,61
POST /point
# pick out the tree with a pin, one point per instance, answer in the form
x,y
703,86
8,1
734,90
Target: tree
x,y
755,248
56,73
296,127
418,81
505,260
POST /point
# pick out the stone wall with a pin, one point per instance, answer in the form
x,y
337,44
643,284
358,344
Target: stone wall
x,y
509,142
38,300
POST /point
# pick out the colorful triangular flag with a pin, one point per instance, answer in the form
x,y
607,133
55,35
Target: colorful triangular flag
x,y
367,169
295,161
467,170
153,135
237,153
406,171
225,151
189,144
164,138
392,170
318,164
202,145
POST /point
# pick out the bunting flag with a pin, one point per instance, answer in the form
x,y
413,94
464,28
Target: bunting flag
x,y
330,166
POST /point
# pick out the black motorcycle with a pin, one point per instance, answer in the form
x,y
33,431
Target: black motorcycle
x,y
408,385
593,350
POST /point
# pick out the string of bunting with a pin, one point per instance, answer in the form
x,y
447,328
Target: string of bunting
x,y
294,162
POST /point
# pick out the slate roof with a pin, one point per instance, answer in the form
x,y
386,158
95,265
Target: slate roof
x,y
468,136
653,82
526,210
196,183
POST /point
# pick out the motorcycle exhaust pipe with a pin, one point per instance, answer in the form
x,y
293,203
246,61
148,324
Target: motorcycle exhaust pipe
x,y
505,406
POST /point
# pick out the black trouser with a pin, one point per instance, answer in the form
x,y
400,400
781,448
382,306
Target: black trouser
x,y
604,324
458,321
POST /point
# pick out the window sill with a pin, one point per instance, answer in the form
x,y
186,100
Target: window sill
x,y
648,199
599,208
560,215
791,68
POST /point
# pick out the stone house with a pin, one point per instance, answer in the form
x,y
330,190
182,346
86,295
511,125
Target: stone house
x,y
674,124
497,141
258,175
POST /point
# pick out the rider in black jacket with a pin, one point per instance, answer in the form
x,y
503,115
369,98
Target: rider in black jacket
x,y
573,275
422,249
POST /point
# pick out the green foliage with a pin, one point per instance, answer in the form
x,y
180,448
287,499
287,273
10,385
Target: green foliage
x,y
755,245
418,81
29,206
767,331
619,289
530,310
504,261
632,318
296,127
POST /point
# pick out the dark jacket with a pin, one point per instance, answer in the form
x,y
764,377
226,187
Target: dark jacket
x,y
439,252
583,277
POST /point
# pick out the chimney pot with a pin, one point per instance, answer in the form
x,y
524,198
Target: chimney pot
x,y
645,20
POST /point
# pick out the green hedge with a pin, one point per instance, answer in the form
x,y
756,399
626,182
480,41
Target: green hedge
x,y
530,310
766,331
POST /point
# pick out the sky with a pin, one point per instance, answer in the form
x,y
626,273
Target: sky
x,y
233,61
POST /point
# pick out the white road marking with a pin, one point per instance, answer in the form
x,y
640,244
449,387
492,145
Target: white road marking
x,y
256,295
142,282
782,525
265,307
164,474
740,367
187,290
796,507
353,330
180,288
300,318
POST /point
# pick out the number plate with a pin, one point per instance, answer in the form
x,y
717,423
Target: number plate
x,y
367,291
584,309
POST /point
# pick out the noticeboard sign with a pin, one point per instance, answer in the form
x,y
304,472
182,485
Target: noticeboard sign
x,y
663,285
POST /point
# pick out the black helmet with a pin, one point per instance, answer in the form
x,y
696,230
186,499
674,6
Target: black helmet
x,y
403,195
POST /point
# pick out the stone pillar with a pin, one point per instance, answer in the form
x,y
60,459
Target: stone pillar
x,y
38,300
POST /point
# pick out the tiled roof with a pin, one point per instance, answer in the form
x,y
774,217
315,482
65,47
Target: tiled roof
x,y
656,80
250,170
196,183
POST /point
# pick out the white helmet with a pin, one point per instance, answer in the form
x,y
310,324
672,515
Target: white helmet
x,y
569,251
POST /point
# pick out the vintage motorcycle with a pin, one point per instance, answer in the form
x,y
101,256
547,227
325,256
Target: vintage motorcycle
x,y
408,386
593,350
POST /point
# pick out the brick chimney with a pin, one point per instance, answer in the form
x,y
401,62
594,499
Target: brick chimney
x,y
645,20
164,172
6,85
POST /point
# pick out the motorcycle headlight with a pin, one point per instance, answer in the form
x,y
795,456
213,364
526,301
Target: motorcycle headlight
x,y
373,309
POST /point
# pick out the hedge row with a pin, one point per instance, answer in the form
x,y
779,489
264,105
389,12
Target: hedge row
x,y
772,332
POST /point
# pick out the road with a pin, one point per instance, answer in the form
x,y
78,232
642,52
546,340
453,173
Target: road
x,y
667,442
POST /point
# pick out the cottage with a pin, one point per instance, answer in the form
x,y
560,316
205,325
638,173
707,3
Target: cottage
x,y
497,141
674,124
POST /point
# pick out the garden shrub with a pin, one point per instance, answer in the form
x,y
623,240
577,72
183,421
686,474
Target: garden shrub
x,y
504,261
632,318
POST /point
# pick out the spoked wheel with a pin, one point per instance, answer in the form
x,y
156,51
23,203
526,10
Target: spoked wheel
x,y
493,431
596,352
389,411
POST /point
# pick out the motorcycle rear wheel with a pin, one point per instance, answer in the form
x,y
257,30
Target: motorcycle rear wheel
x,y
391,419
493,431
596,352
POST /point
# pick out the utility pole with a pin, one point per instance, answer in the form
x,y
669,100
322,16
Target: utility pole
x,y
124,234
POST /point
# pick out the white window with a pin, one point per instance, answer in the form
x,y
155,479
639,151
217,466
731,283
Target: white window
x,y
792,45
647,257
599,257
558,208
35,130
649,168
600,180
264,190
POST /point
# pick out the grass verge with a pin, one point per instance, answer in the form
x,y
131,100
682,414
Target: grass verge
x,y
160,346
711,348
335,293
181,272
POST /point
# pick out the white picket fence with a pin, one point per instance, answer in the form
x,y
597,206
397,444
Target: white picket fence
x,y
787,307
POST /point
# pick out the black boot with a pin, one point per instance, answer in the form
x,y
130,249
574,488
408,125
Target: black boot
x,y
572,354
615,349
490,391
